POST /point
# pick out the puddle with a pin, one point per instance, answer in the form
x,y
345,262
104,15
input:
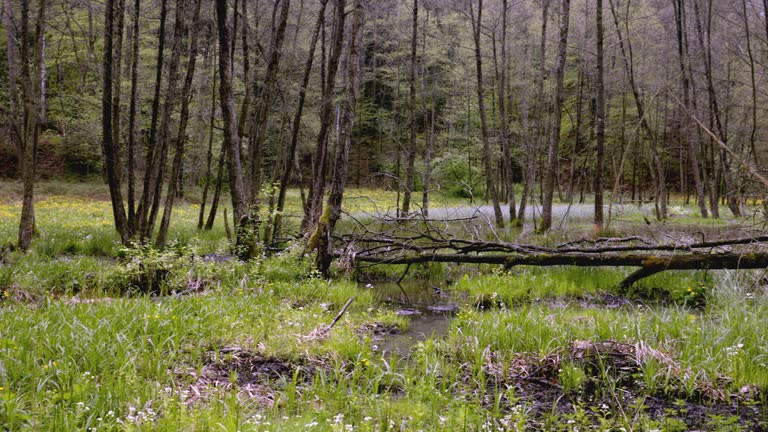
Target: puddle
x,y
429,307
420,327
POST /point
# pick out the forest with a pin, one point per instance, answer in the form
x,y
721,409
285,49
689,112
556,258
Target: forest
x,y
384,215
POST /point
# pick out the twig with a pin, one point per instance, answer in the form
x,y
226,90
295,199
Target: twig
x,y
341,313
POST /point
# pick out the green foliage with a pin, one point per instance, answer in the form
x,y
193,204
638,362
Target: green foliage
x,y
571,377
457,178
146,269
81,153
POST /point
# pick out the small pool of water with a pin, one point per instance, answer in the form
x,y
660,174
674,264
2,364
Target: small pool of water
x,y
428,305
420,328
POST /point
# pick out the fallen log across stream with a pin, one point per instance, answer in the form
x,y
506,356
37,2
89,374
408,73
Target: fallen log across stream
x,y
649,264
742,253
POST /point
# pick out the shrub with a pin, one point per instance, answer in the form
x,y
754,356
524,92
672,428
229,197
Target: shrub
x,y
457,177
146,269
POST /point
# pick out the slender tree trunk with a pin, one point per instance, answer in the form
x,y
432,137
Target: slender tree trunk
x,y
753,81
600,119
144,203
291,153
409,168
117,81
527,144
178,158
110,155
429,134
550,169
685,130
327,224
209,154
489,171
533,150
132,124
265,103
217,190
714,110
577,133
504,115
33,88
227,101
317,188
171,95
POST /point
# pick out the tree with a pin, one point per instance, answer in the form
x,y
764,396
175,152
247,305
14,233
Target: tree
x,y
186,96
327,224
32,85
487,156
111,156
600,89
152,159
534,145
291,152
409,170
314,205
261,116
132,123
550,168
227,101
679,6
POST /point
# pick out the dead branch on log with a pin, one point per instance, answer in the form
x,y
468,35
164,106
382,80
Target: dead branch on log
x,y
420,241
649,264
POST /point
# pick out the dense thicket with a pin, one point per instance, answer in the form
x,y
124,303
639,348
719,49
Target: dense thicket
x,y
472,98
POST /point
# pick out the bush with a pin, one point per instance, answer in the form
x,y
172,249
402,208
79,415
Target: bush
x,y
146,269
457,177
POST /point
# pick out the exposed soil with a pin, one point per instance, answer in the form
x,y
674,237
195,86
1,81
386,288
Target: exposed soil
x,y
378,330
255,376
538,385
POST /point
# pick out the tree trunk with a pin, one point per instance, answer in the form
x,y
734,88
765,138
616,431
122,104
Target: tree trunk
x,y
217,190
265,103
550,169
111,156
714,110
32,87
144,203
227,101
599,166
429,134
317,188
171,95
489,171
132,126
209,153
291,152
685,130
117,81
409,168
326,226
178,158
504,114
533,145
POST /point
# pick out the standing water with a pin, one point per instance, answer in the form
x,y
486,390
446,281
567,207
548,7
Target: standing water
x,y
427,306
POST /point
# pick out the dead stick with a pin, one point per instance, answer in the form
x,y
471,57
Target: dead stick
x,y
341,313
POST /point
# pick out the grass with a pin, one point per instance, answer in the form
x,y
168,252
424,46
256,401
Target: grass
x,y
245,346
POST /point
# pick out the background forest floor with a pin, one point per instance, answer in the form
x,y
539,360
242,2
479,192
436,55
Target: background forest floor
x,y
99,337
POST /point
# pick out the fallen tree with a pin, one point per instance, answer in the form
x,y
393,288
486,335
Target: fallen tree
x,y
649,264
414,244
